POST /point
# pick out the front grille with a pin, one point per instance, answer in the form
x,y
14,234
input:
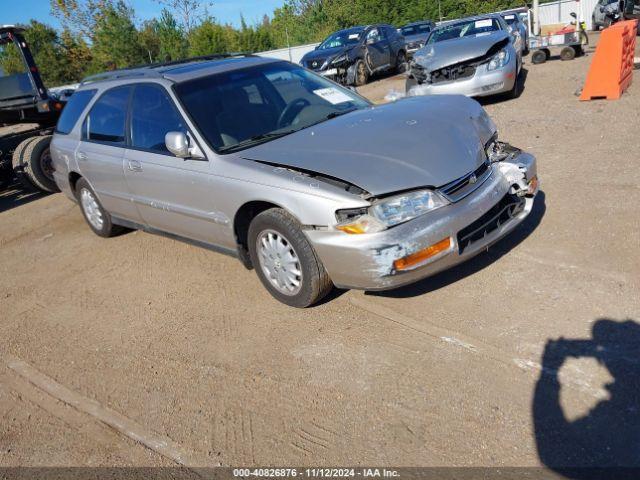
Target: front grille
x,y
457,72
499,214
463,186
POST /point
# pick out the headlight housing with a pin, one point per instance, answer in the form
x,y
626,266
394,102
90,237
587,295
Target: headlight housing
x,y
389,212
499,60
340,59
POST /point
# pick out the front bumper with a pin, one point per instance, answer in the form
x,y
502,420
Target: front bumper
x,y
482,83
367,261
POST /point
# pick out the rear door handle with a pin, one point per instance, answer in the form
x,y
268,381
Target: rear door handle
x,y
135,166
81,156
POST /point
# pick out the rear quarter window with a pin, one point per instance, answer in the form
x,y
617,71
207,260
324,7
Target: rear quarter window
x,y
73,109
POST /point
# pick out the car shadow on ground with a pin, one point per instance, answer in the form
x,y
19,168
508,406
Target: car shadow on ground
x,y
476,263
493,99
14,195
604,443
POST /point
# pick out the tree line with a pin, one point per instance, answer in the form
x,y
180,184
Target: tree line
x,y
98,35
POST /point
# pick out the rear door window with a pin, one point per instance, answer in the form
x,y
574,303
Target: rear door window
x,y
153,115
73,109
108,116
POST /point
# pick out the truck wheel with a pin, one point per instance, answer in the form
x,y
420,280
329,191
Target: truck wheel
x,y
17,164
285,261
567,53
37,164
362,75
538,57
96,216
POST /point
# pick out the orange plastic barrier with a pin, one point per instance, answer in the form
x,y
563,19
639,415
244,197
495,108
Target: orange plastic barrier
x,y
611,70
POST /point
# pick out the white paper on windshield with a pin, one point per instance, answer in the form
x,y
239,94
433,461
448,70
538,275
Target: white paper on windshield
x,y
332,95
354,36
484,23
509,17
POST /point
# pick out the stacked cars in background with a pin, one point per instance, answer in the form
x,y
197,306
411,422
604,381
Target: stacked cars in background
x,y
351,56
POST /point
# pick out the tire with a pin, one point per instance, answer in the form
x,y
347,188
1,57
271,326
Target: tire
x,y
17,164
37,164
538,57
279,229
401,62
567,53
362,73
516,90
104,229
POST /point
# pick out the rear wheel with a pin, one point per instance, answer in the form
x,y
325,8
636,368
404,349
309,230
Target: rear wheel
x,y
285,261
96,216
37,164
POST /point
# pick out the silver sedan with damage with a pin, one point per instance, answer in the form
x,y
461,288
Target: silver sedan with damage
x,y
299,178
475,56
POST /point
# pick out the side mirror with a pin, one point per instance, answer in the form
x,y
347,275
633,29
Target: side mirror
x,y
573,14
178,143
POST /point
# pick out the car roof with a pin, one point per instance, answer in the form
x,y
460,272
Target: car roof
x,y
470,19
181,71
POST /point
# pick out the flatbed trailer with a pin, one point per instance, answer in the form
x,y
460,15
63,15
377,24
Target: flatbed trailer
x,y
28,115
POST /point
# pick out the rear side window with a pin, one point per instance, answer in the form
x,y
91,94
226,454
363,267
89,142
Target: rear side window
x,y
107,118
73,109
153,114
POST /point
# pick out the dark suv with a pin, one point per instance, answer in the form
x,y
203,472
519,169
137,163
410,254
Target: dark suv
x,y
351,56
416,34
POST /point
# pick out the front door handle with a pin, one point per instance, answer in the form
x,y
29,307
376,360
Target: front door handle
x,y
81,156
135,166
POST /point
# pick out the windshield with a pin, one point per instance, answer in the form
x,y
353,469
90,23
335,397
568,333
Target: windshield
x,y
241,108
469,28
415,29
341,38
510,19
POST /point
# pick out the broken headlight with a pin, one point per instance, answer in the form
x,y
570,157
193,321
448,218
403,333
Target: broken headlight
x,y
389,212
340,59
499,60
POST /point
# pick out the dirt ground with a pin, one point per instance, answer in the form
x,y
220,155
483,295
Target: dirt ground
x,y
111,347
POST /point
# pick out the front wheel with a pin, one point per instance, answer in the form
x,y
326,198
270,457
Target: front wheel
x,y
285,261
567,53
362,74
401,62
538,57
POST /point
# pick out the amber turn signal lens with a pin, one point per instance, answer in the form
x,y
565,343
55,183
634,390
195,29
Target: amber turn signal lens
x,y
422,255
533,185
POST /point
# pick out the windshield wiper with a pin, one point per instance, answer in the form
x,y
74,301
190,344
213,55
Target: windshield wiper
x,y
339,113
254,140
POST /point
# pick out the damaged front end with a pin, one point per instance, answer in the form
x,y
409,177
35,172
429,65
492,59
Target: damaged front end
x,y
479,209
468,73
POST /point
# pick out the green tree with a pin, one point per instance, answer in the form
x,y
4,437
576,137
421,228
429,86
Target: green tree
x,y
115,39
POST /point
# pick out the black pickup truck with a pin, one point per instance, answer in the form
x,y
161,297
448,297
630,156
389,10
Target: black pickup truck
x,y
351,56
28,115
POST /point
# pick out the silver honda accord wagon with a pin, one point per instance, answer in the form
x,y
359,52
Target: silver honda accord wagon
x,y
298,177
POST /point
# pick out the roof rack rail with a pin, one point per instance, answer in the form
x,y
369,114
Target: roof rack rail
x,y
150,70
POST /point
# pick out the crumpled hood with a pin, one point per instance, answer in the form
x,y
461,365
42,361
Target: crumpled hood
x,y
324,54
412,143
450,52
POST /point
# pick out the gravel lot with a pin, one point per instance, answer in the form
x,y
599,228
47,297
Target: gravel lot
x,y
187,346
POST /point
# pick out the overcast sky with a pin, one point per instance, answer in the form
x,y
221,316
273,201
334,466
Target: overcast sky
x,y
226,11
